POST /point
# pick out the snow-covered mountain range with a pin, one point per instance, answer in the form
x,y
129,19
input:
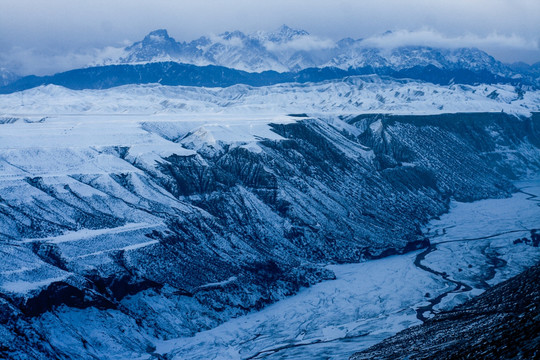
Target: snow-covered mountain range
x,y
285,55
288,49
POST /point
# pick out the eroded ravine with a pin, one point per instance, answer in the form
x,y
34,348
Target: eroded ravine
x,y
329,319
271,213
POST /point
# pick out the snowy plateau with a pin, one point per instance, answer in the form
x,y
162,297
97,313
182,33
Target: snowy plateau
x,y
290,221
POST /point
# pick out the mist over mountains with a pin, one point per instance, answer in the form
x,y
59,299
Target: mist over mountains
x,y
268,58
287,49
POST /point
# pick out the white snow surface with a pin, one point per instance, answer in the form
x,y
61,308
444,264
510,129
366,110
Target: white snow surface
x,y
358,94
372,295
63,147
495,215
79,144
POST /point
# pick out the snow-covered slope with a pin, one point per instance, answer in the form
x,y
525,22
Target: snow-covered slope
x,y
361,94
127,220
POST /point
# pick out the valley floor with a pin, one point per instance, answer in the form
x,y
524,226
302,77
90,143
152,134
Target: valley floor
x,y
472,249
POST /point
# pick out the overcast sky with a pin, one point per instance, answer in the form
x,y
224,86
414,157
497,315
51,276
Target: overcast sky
x,y
52,35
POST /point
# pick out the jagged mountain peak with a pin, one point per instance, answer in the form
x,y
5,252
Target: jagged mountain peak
x,y
159,33
156,45
287,29
228,35
7,76
157,38
347,42
285,33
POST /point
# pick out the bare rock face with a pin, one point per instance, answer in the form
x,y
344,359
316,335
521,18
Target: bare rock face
x,y
502,323
185,242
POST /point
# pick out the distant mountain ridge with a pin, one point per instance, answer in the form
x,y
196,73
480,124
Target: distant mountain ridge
x,y
172,73
288,49
285,55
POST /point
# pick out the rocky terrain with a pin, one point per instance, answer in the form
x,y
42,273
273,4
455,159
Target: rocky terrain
x,y
112,227
501,323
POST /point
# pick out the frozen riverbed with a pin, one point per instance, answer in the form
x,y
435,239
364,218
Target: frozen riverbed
x,y
373,300
367,301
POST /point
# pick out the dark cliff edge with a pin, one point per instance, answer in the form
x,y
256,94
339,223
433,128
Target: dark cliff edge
x,y
247,228
501,323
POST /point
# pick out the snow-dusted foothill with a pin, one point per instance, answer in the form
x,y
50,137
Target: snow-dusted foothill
x,y
353,95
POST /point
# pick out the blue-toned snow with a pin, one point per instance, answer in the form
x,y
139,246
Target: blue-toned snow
x,y
373,300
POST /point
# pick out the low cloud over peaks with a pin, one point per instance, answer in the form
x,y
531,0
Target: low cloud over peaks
x,y
432,38
301,43
36,61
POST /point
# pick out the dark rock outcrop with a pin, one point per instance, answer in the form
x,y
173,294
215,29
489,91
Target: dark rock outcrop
x,y
502,323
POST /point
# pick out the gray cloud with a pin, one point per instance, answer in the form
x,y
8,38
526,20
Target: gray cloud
x,y
302,43
39,62
38,34
429,37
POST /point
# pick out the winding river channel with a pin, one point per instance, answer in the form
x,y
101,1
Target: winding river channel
x,y
472,248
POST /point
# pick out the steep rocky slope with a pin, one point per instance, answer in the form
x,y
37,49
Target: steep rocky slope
x,y
502,323
169,227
